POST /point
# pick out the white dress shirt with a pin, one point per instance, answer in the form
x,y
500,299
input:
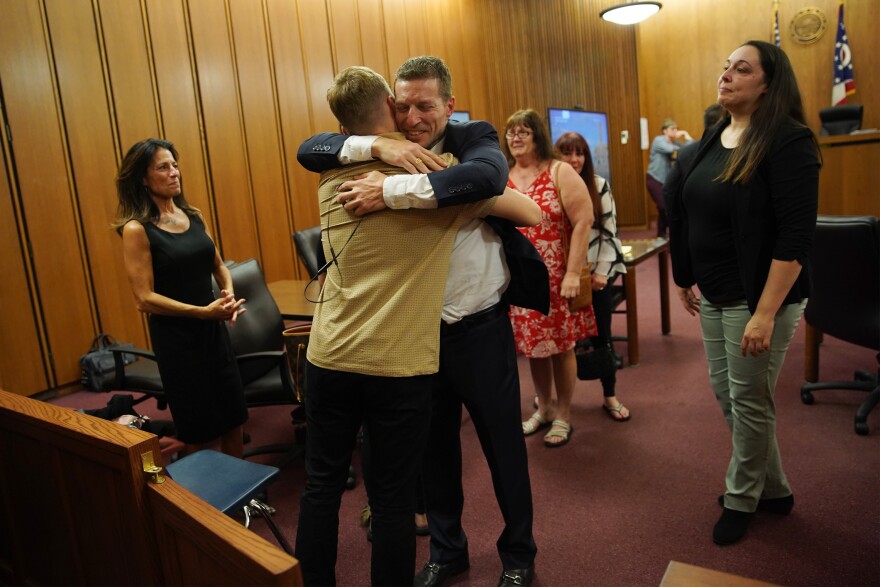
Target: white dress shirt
x,y
476,279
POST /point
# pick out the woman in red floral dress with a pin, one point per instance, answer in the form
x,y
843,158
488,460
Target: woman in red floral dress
x,y
548,341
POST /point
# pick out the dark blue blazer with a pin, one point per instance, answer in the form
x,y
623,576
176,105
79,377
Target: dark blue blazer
x,y
481,173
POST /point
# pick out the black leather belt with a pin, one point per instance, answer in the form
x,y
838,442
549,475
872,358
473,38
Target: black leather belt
x,y
474,319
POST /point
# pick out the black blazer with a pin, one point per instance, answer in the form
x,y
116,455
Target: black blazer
x,y
481,173
773,217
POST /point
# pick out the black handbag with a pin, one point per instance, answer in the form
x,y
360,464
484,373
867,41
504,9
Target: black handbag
x,y
98,361
595,363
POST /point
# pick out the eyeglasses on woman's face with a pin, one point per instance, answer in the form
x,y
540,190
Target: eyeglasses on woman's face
x,y
518,134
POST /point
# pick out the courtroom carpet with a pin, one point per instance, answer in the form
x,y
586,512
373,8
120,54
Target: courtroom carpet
x,y
621,501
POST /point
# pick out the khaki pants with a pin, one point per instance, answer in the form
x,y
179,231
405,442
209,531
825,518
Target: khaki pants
x,y
744,388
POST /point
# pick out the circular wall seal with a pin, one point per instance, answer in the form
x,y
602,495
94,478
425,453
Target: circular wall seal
x,y
808,25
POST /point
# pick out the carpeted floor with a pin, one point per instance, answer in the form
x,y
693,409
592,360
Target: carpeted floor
x,y
622,500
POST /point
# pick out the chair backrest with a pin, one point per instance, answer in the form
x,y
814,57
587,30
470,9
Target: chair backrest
x,y
841,120
308,248
261,327
845,297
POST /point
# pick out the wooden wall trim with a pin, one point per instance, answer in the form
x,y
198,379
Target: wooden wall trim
x,y
37,127
22,365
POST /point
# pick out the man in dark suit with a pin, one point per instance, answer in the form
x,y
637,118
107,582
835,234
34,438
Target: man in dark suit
x,y
478,367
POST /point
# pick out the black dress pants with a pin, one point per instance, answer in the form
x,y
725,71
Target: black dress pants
x,y
655,189
603,310
478,369
395,414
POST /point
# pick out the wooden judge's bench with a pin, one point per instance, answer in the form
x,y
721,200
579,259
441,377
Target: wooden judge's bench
x,y
79,505
850,175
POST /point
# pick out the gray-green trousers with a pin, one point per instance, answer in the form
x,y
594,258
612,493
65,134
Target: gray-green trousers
x,y
744,387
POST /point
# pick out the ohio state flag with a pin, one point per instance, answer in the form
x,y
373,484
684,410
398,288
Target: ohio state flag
x,y
844,82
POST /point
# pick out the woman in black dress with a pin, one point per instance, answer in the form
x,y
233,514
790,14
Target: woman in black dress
x,y
169,259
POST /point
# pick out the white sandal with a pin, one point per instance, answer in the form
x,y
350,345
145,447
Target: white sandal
x,y
534,423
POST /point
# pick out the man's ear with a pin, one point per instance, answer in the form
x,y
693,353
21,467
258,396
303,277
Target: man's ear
x,y
343,130
450,106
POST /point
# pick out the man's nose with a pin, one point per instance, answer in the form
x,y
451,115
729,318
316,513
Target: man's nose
x,y
412,115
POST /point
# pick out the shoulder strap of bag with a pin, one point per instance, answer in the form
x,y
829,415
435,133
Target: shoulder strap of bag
x,y
555,174
101,341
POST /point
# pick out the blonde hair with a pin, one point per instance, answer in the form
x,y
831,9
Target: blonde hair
x,y
354,97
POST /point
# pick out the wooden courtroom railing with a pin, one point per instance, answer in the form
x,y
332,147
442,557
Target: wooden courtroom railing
x,y
850,174
76,508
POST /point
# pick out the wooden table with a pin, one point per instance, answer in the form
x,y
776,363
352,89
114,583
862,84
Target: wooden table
x,y
641,250
684,575
291,300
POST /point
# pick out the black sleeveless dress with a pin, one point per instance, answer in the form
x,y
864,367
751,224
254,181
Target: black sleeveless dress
x,y
195,357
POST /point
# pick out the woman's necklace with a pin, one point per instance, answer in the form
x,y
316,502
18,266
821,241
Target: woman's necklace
x,y
168,219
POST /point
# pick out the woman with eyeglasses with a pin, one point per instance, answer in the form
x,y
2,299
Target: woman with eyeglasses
x,y
549,341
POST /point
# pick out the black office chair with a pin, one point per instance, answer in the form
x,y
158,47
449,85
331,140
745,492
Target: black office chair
x,y
308,248
258,343
841,120
311,253
142,376
845,299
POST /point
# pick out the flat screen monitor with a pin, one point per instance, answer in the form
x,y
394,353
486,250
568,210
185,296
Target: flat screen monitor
x,y
593,126
460,115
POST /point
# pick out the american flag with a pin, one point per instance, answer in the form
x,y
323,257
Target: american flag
x,y
776,38
844,82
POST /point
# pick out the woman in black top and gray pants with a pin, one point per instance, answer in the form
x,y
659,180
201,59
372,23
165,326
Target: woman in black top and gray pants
x,y
741,226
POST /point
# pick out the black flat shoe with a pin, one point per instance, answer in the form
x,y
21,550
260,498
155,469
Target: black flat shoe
x,y
517,577
434,574
778,505
731,527
781,506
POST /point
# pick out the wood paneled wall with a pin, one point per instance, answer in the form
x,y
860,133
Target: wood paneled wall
x,y
237,85
682,50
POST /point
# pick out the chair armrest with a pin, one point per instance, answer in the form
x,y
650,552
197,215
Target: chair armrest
x,y
117,353
119,362
261,355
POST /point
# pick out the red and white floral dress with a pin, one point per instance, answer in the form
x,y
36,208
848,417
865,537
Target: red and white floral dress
x,y
539,336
